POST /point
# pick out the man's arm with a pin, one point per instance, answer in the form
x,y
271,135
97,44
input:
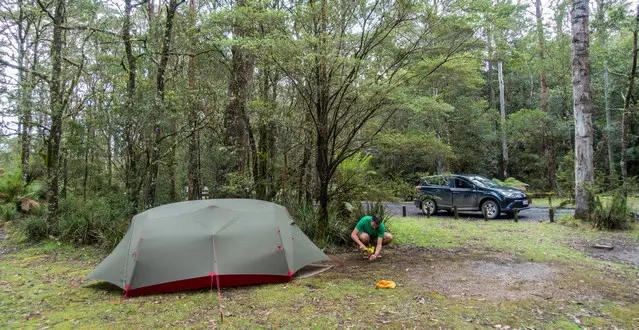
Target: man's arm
x,y
378,248
355,237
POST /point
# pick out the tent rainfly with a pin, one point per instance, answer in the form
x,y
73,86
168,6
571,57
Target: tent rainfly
x,y
206,243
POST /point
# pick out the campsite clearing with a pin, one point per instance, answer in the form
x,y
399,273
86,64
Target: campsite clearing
x,y
450,274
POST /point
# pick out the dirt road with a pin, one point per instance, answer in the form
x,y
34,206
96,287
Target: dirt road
x,y
531,214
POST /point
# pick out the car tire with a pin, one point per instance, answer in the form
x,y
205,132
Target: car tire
x,y
492,209
429,205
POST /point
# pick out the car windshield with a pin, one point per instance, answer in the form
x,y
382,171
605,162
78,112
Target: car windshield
x,y
485,182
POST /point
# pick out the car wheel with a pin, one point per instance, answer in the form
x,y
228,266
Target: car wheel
x,y
429,207
491,208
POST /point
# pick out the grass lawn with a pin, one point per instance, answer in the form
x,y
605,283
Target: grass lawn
x,y
633,202
450,274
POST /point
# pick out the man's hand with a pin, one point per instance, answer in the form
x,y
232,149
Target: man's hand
x,y
372,257
362,247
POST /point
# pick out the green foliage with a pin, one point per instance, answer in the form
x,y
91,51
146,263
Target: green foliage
x,y
11,186
353,175
613,215
8,212
94,221
342,219
360,210
17,197
529,132
512,182
566,176
34,228
238,185
404,153
357,181
339,226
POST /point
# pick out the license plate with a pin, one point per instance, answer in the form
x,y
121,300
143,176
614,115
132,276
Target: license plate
x,y
526,202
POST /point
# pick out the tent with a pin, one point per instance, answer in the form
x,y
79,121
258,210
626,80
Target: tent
x,y
206,243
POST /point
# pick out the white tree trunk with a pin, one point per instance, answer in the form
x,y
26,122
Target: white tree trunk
x,y
582,101
502,109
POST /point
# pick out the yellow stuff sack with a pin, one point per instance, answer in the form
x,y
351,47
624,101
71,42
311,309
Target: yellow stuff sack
x,y
385,285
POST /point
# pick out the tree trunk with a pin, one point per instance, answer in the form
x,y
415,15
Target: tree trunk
x,y
56,103
131,181
502,110
194,189
86,162
237,132
603,38
492,104
109,140
543,104
156,137
64,157
582,100
24,94
323,158
266,138
239,90
625,121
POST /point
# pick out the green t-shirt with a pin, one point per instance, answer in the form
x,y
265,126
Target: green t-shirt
x,y
364,225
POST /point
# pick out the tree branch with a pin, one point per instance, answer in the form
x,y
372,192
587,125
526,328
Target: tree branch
x,y
23,69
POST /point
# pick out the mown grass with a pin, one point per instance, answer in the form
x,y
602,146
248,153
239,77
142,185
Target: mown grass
x,y
40,287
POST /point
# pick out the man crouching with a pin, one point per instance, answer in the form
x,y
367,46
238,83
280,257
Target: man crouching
x,y
370,229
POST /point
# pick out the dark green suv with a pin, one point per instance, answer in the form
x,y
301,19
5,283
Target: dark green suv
x,y
468,193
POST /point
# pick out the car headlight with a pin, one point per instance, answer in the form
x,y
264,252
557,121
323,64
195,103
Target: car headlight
x,y
514,195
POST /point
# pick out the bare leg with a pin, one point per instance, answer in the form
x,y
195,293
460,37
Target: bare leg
x,y
388,237
365,238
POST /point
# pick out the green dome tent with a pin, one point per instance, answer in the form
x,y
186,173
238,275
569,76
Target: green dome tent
x,y
206,243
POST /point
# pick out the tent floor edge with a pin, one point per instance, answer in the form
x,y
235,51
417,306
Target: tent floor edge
x,y
204,282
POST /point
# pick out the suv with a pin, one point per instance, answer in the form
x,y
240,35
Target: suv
x,y
468,193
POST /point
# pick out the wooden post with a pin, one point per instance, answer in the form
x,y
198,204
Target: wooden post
x,y
485,213
404,210
455,212
516,215
551,214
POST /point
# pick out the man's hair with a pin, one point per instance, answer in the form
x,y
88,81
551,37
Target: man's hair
x,y
376,219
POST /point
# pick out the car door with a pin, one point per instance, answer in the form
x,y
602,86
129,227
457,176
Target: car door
x,y
439,187
463,194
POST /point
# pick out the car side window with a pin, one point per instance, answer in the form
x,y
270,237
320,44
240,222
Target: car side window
x,y
461,183
437,181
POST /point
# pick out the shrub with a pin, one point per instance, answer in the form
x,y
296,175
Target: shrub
x,y
94,221
359,210
33,227
17,195
566,176
342,219
512,182
8,212
612,215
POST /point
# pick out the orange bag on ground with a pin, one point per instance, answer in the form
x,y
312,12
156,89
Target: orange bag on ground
x,y
385,285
